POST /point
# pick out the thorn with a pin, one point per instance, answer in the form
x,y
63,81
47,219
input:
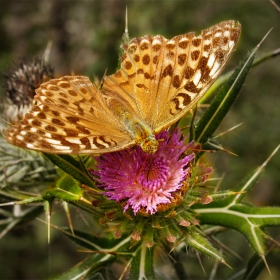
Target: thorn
x,y
8,203
258,171
176,246
265,262
66,209
223,262
7,228
275,6
275,242
222,149
9,124
226,248
276,52
126,22
125,37
235,193
225,132
219,183
200,262
122,276
47,51
49,226
269,158
113,253
214,270
47,207
259,44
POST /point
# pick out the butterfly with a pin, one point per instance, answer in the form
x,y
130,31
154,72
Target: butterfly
x,y
158,82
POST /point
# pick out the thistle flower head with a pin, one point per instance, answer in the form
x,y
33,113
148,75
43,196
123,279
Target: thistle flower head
x,y
20,83
147,183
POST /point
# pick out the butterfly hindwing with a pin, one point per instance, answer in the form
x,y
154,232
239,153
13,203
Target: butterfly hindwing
x,y
70,116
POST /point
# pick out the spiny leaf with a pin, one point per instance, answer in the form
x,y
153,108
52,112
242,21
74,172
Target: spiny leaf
x,y
142,264
72,167
201,244
223,78
246,219
81,271
223,100
94,243
66,189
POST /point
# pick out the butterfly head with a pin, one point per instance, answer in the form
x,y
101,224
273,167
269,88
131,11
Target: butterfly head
x,y
149,145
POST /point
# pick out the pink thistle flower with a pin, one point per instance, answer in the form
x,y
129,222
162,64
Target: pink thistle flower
x,y
145,183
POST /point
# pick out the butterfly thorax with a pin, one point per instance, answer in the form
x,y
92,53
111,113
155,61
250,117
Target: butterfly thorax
x,y
140,132
145,138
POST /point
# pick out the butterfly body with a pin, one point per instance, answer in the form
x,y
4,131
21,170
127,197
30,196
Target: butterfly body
x,y
141,133
145,138
159,81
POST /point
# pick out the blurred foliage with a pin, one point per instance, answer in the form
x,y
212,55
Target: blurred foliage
x,y
85,38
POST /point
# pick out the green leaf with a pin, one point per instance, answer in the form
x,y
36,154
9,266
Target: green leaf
x,y
223,78
142,264
92,242
88,207
66,189
72,167
201,244
223,100
246,219
104,251
86,267
8,193
23,168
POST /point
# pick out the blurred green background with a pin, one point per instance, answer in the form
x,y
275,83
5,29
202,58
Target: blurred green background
x,y
85,38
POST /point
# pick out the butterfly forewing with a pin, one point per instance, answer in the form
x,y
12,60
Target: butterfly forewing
x,y
70,116
164,79
206,57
